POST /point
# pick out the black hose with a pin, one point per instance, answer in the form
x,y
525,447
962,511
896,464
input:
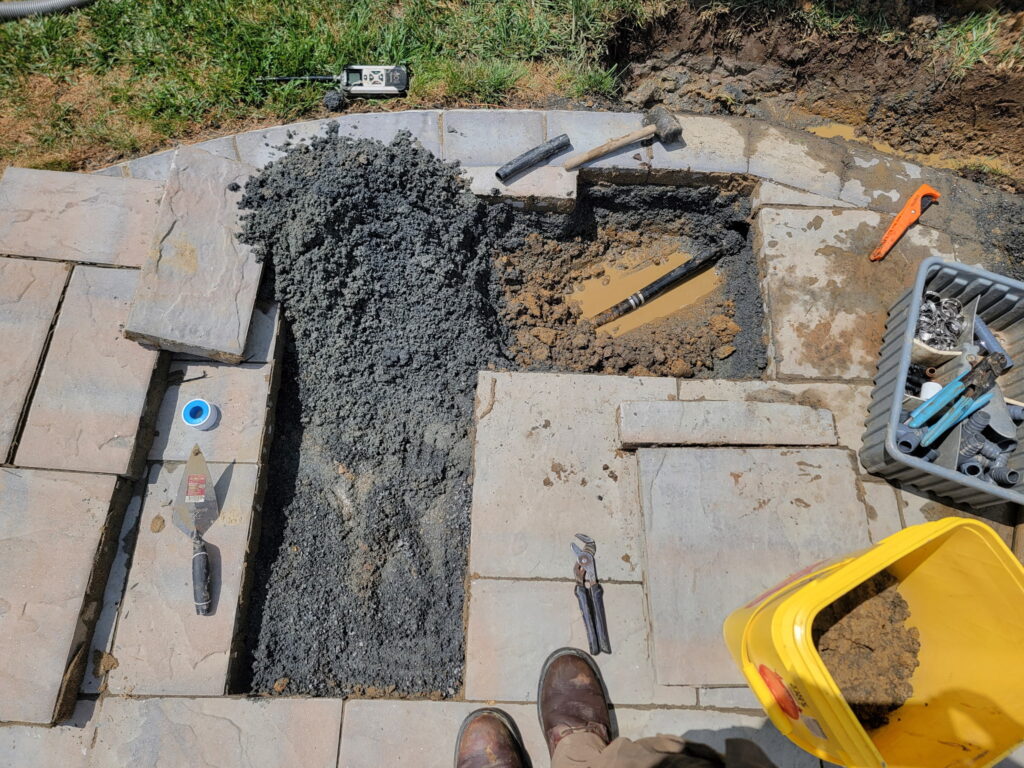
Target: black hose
x,y
22,8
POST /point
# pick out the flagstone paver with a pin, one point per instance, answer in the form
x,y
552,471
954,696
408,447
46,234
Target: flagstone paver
x,y
52,528
63,746
708,145
803,506
162,647
93,392
770,194
795,158
490,136
590,129
548,467
29,293
80,217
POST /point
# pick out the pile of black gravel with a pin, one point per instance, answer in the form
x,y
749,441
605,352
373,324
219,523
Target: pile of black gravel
x,y
381,260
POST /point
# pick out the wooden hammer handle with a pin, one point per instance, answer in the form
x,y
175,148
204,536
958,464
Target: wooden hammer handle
x,y
610,146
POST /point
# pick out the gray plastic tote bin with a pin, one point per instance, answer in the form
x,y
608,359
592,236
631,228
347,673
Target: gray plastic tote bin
x,y
1000,303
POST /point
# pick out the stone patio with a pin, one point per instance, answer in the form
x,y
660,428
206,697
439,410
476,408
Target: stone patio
x,y
693,512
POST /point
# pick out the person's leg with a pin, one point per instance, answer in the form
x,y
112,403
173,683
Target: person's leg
x,y
489,738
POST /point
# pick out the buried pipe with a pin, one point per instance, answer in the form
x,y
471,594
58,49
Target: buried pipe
x,y
20,9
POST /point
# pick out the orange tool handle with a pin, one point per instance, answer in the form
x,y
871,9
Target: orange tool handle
x,y
916,205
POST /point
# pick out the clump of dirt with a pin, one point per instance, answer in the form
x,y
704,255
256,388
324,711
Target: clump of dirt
x,y
865,642
619,231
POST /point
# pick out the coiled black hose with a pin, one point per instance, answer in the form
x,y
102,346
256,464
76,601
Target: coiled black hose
x,y
19,9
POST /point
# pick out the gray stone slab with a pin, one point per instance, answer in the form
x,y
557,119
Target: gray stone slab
x,y
713,728
709,145
420,734
589,129
80,217
826,301
770,194
155,167
29,294
882,182
548,442
883,510
729,697
711,422
222,146
796,159
117,171
262,340
241,393
162,648
229,733
65,745
504,657
547,188
91,396
490,136
799,506
51,528
198,288
263,146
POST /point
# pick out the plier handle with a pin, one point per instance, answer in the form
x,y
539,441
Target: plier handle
x,y
970,391
590,595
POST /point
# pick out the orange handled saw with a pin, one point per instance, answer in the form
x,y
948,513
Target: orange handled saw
x,y
916,205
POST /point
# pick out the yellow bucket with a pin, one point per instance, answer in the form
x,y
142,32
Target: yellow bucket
x,y
965,590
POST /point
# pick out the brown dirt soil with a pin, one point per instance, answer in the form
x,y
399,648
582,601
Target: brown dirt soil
x,y
899,96
868,648
551,331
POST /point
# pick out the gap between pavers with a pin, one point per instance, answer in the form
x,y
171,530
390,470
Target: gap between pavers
x,y
769,194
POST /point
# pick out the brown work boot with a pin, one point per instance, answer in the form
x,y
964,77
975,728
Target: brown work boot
x,y
571,698
489,738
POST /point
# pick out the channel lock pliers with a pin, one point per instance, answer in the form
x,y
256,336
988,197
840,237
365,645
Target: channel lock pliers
x,y
590,595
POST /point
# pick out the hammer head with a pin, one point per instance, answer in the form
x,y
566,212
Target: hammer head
x,y
666,126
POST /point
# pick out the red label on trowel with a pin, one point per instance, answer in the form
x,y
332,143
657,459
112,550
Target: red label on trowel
x,y
195,491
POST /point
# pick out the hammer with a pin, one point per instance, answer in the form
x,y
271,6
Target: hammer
x,y
657,122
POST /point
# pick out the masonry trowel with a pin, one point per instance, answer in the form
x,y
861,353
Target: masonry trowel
x,y
195,508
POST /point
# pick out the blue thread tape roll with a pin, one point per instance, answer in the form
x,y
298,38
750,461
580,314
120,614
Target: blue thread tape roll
x,y
200,414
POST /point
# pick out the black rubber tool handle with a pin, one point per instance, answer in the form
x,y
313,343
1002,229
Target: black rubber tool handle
x,y
531,157
600,620
200,576
588,619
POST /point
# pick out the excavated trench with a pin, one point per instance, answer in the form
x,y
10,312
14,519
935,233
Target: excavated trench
x,y
398,286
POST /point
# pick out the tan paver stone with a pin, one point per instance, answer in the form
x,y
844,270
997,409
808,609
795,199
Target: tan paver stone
x,y
52,527
709,145
883,510
161,646
546,188
514,625
228,733
796,159
547,466
731,697
713,728
198,285
768,193
29,293
921,509
848,402
802,505
92,393
724,422
261,342
827,302
240,392
81,217
63,746
422,734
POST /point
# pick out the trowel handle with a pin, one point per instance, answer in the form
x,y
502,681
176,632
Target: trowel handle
x,y
200,576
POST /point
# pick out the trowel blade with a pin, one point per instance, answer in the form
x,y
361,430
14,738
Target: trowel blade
x,y
197,497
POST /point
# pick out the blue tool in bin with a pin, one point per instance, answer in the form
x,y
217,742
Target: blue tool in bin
x,y
970,391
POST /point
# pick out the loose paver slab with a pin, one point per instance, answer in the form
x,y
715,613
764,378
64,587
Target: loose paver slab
x,y
92,393
490,136
826,301
797,507
796,159
422,734
29,293
708,145
261,342
233,733
547,466
63,746
547,188
161,646
240,393
718,422
198,286
52,527
768,193
80,217
503,656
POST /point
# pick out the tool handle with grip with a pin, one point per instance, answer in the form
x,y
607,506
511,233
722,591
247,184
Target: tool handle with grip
x,y
610,146
532,157
588,619
200,576
600,620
